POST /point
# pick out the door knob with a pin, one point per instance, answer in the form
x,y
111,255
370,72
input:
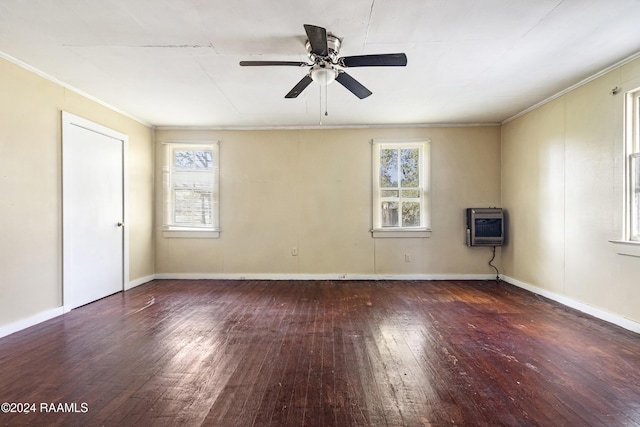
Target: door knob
x,y
120,224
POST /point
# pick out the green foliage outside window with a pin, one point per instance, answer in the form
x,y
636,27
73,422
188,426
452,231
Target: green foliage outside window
x,y
400,187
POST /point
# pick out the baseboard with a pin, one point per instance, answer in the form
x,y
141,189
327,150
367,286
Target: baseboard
x,y
139,281
585,308
30,321
58,311
623,322
331,276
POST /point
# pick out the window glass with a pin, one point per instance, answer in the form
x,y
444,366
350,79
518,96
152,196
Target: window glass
x,y
633,165
191,187
388,168
401,188
635,197
410,167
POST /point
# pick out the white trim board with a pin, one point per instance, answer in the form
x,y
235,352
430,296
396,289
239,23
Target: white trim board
x,y
329,276
52,79
593,311
30,321
139,281
623,322
573,87
58,311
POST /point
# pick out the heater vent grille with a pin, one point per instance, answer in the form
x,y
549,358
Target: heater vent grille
x,y
485,227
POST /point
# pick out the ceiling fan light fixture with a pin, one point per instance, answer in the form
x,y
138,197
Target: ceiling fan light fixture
x,y
323,76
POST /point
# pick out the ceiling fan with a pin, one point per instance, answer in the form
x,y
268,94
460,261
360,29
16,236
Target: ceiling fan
x,y
326,65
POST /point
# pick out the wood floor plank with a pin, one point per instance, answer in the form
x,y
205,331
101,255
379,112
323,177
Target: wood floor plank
x,y
323,353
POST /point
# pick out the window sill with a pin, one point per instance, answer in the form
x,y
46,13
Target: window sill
x,y
626,247
191,234
395,232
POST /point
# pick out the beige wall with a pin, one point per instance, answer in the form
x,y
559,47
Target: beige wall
x,y
557,171
311,189
30,179
562,187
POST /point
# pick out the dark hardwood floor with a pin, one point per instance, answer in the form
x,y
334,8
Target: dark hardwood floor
x,y
322,353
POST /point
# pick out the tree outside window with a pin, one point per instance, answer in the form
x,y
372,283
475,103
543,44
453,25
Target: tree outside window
x,y
400,183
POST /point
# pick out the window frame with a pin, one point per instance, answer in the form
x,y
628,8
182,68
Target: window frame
x,y
633,208
632,166
422,230
169,226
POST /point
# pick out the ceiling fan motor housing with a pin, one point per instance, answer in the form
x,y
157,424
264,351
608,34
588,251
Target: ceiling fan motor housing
x,y
333,49
323,71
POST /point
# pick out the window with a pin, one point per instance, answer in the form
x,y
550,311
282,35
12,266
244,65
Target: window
x,y
190,181
400,188
633,165
635,197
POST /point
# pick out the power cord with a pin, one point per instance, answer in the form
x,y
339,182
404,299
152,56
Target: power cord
x,y
493,266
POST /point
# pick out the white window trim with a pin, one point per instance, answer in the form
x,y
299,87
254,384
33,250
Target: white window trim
x,y
191,234
631,151
633,235
172,231
424,230
625,245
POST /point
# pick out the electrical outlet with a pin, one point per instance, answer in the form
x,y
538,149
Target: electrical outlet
x,y
407,257
294,251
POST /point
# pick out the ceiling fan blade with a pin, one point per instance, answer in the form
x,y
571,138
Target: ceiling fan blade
x,y
268,63
318,39
353,85
382,60
297,89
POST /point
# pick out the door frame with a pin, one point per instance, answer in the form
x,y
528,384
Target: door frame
x,y
71,120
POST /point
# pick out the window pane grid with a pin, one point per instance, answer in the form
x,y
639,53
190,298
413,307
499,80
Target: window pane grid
x,y
192,206
635,147
633,177
635,196
400,193
191,186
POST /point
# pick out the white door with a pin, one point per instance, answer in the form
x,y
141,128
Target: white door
x,y
93,211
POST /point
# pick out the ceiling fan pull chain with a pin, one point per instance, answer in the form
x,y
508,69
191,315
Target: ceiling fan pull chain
x,y
320,106
326,101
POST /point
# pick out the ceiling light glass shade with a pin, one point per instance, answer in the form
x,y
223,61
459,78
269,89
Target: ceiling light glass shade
x,y
323,76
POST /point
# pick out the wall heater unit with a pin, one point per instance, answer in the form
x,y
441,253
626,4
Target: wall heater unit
x,y
485,227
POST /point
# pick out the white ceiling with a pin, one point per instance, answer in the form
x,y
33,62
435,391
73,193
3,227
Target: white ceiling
x,y
175,62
